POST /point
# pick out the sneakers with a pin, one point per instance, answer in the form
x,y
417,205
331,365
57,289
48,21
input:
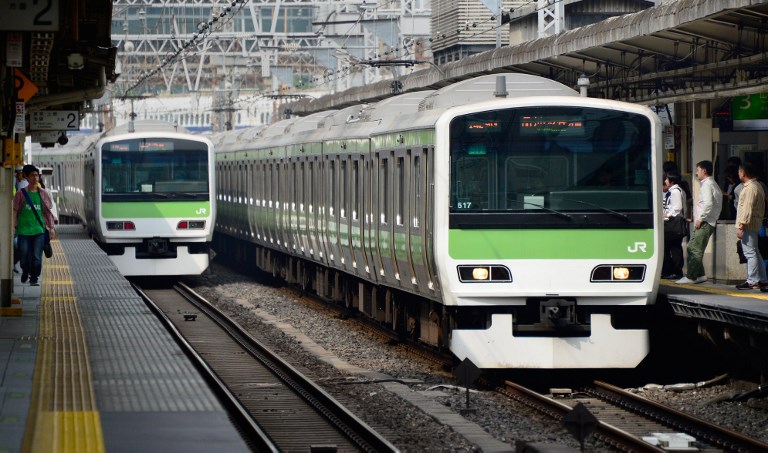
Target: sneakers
x,y
686,280
747,285
33,282
672,276
24,277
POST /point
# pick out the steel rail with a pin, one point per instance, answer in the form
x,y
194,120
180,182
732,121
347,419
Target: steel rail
x,y
701,429
360,433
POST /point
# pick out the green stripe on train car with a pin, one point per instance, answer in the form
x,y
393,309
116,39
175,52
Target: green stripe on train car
x,y
550,244
148,209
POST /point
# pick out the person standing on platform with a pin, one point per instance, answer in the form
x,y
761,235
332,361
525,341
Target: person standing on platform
x,y
31,217
706,211
674,207
749,219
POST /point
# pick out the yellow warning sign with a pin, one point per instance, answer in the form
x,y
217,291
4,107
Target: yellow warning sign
x,y
25,89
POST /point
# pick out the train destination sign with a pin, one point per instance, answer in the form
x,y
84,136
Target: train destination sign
x,y
55,120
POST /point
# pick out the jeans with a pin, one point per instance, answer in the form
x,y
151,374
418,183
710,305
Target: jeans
x,y
696,246
755,265
31,254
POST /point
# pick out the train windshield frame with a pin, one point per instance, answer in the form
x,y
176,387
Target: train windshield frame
x,y
154,168
550,167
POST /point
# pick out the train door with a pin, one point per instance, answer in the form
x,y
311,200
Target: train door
x,y
283,202
291,189
261,202
270,219
402,219
302,235
419,228
356,196
332,211
313,200
370,253
242,207
383,217
251,178
345,214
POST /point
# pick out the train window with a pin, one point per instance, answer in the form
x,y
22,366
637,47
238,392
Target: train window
x,y
354,193
384,189
277,194
332,192
556,158
400,191
416,190
300,185
270,195
344,189
311,187
155,166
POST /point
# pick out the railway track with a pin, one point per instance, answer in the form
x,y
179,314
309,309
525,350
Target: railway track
x,y
624,419
279,409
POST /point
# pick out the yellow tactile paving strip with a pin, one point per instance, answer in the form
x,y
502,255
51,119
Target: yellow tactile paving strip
x,y
63,416
721,290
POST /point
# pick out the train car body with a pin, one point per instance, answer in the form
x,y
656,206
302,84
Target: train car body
x,y
509,220
147,196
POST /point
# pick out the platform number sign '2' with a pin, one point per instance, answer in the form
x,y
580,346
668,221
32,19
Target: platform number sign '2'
x,y
55,120
29,15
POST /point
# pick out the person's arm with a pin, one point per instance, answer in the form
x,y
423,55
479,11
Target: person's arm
x,y
707,201
17,205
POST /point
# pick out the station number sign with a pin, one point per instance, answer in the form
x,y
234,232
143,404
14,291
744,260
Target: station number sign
x,y
54,120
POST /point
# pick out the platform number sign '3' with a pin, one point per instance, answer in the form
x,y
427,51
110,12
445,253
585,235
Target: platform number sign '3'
x,y
637,247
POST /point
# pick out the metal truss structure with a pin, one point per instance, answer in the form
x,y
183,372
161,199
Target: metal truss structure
x,y
261,45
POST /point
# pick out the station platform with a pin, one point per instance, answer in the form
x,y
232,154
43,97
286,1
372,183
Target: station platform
x,y
86,367
719,303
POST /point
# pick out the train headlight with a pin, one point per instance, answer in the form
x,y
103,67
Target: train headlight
x,y
620,273
616,273
481,273
484,273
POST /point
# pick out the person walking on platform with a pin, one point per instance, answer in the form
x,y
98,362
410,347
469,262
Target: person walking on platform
x,y
749,219
31,217
706,211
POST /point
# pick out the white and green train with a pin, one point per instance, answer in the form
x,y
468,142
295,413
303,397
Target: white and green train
x,y
505,218
145,192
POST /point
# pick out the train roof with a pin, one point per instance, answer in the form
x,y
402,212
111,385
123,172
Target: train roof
x,y
408,111
484,88
142,126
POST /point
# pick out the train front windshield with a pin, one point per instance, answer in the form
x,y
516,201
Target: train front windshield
x,y
155,168
551,166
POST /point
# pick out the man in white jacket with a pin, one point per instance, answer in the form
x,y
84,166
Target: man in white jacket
x,y
706,211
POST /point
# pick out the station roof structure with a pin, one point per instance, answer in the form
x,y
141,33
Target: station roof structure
x,y
677,51
65,49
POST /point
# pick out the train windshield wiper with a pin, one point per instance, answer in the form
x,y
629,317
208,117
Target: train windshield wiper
x,y
538,206
602,208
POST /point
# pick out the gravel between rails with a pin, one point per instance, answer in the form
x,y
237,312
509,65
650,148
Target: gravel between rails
x,y
265,310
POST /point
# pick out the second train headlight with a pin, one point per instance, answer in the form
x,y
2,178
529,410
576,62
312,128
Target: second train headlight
x,y
615,273
484,273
